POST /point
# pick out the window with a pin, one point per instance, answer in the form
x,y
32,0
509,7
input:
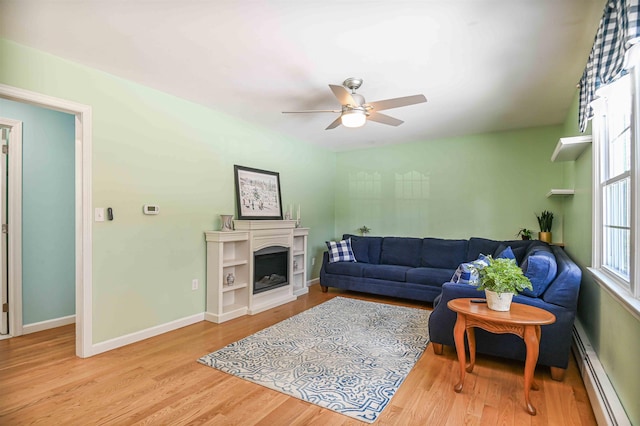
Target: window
x,y
616,130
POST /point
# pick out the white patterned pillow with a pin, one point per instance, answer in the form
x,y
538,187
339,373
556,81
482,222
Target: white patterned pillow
x,y
340,251
467,273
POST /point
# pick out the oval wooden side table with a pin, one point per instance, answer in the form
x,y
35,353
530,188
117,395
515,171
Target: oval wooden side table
x,y
521,320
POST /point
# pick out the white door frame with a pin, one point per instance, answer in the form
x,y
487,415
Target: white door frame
x,y
14,219
83,243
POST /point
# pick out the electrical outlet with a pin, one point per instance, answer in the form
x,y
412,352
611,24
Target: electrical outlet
x,y
313,261
194,284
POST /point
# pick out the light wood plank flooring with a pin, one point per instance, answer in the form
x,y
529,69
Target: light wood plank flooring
x,y
159,382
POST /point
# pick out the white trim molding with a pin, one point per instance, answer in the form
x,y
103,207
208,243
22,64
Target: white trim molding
x,y
604,400
14,215
46,325
137,336
83,167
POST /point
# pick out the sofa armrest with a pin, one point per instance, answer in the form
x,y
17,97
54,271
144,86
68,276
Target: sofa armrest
x,y
325,260
563,290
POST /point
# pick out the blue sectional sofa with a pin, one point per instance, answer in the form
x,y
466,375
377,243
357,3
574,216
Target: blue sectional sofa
x,y
411,268
422,268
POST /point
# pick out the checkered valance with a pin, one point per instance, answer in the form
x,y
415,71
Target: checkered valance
x,y
619,30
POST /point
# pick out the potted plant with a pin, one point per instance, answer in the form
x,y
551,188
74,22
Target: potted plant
x,y
364,230
525,233
545,220
500,280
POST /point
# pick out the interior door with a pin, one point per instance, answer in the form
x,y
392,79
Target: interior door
x,y
4,321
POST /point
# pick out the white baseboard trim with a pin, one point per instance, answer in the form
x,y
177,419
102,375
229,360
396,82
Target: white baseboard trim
x,y
118,342
313,281
46,325
604,401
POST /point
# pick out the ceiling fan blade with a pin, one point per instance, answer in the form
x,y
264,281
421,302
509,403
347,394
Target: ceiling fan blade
x,y
397,102
343,95
335,123
306,111
384,119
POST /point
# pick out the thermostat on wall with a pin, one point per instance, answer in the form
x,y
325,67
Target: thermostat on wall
x,y
150,209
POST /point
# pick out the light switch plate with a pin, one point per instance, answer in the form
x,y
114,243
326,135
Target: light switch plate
x,y
99,214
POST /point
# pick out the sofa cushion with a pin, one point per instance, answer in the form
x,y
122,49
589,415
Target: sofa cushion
x,y
429,276
403,251
541,268
519,253
478,246
537,246
365,249
386,272
340,251
467,273
352,269
439,253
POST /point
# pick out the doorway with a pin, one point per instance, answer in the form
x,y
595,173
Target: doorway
x,y
83,243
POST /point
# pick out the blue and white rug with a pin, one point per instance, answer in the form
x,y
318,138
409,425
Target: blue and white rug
x,y
347,355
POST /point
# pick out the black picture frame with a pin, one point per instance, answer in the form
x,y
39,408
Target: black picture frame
x,y
257,194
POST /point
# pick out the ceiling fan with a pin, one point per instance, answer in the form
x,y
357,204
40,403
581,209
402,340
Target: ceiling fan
x,y
355,111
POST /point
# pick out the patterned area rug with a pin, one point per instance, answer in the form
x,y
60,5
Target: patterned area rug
x,y
347,355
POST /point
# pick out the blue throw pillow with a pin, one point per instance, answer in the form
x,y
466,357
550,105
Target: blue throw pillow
x,y
340,251
467,273
504,252
541,268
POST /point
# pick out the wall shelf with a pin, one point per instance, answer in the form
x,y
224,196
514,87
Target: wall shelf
x,y
560,192
569,149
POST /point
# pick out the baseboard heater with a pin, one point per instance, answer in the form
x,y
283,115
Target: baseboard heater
x,y
605,402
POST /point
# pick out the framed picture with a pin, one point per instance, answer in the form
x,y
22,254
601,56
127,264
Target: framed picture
x,y
257,194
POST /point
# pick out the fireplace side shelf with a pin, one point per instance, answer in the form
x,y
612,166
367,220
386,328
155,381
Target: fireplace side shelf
x,y
299,263
227,254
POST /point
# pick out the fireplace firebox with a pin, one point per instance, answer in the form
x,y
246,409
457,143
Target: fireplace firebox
x,y
270,268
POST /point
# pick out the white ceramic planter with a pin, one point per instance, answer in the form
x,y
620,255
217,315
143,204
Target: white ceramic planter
x,y
498,301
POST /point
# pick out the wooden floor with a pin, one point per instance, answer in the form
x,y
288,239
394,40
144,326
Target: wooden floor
x,y
159,382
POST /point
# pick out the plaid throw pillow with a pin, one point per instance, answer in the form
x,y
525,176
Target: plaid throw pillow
x,y
340,251
467,273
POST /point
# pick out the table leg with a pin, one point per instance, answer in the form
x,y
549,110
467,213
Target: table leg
x,y
471,338
531,340
534,385
458,337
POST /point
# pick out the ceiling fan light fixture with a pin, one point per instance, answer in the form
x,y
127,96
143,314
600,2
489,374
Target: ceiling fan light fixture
x,y
353,118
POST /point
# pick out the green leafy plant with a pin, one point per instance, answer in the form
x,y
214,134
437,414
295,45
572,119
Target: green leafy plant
x,y
364,230
503,276
545,220
525,233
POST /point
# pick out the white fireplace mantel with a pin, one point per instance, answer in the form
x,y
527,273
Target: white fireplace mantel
x,y
249,236
267,233
257,225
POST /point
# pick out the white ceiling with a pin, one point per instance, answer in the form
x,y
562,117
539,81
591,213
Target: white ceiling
x,y
484,65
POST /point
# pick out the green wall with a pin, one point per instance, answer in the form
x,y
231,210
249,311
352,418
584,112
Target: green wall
x,y
612,330
487,185
48,215
151,147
